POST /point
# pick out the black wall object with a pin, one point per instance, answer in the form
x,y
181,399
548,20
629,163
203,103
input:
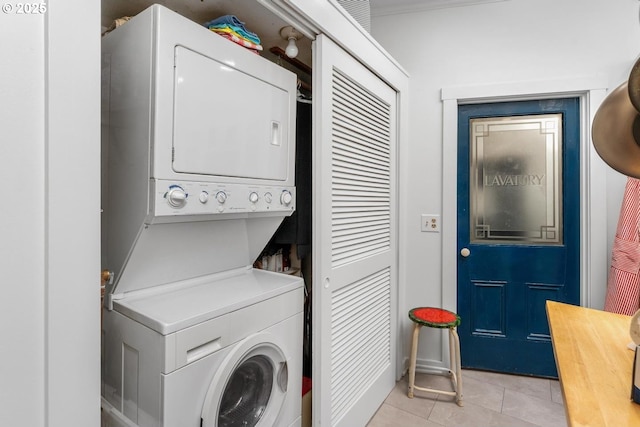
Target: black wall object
x,y
296,229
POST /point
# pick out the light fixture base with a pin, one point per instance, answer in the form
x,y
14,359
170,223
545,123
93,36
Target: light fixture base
x,y
289,32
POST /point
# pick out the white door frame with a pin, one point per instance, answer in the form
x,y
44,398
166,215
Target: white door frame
x,y
593,213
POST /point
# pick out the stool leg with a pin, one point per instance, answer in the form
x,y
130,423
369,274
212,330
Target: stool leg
x,y
412,362
458,369
452,355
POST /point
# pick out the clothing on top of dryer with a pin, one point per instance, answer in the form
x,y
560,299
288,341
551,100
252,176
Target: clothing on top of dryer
x,y
231,28
255,48
233,23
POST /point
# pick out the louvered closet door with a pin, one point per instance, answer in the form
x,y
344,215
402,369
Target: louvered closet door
x,y
355,234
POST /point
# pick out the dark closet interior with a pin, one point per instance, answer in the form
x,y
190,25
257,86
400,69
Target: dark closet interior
x,y
293,237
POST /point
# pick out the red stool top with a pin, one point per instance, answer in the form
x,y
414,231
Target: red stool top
x,y
434,317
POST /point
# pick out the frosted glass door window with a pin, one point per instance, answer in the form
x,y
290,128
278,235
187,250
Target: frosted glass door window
x,y
516,179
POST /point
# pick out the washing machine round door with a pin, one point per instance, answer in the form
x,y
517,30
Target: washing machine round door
x,y
250,386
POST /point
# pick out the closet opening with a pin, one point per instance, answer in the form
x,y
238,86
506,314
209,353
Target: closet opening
x,y
289,250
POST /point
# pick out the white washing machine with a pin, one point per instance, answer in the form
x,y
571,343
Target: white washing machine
x,y
222,350
193,191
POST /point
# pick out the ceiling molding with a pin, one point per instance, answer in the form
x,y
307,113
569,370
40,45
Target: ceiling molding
x,y
391,7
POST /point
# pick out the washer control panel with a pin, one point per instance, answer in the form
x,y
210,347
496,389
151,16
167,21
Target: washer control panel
x,y
171,198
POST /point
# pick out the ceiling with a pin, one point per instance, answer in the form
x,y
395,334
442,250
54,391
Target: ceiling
x,y
390,7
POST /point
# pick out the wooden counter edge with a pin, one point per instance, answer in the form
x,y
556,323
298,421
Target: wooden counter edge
x,y
569,319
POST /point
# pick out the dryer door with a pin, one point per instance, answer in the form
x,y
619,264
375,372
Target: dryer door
x,y
250,386
233,136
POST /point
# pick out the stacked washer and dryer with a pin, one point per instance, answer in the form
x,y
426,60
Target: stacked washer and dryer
x,y
199,173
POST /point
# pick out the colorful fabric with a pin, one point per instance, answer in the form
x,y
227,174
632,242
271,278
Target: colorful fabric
x,y
232,22
243,43
233,36
226,20
243,33
623,283
227,30
434,317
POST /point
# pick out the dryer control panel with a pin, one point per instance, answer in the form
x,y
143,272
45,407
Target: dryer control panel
x,y
173,198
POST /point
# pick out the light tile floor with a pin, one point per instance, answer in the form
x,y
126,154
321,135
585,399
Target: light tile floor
x,y
490,399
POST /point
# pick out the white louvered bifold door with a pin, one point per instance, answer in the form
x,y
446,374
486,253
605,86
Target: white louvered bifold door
x,y
354,237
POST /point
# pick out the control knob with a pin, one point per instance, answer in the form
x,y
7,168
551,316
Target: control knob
x,y
176,196
268,197
286,197
253,197
221,197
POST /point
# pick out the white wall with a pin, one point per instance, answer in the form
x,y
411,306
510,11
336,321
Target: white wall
x,y
22,225
72,218
496,43
49,249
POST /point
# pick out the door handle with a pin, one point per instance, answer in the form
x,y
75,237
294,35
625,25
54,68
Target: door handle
x,y
465,252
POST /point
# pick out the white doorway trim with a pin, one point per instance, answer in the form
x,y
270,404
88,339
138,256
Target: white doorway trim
x,y
593,172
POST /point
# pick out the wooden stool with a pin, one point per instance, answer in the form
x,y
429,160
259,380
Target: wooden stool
x,y
437,318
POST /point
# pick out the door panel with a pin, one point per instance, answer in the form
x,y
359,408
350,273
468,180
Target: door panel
x,y
518,215
355,233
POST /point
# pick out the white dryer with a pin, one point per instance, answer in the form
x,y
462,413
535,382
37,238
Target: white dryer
x,y
222,350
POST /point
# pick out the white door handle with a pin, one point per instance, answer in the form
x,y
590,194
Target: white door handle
x,y
465,252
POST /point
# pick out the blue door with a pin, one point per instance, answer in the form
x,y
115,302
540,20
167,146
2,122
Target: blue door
x,y
518,229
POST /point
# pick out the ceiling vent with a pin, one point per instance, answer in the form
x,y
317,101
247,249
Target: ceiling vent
x,y
360,10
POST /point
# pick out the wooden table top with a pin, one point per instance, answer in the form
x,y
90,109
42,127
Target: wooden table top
x,y
594,365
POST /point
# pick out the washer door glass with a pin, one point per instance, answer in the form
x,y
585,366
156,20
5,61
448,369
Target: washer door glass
x,y
249,387
247,393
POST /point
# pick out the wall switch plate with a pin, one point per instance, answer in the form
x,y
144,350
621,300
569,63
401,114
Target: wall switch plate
x,y
430,223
